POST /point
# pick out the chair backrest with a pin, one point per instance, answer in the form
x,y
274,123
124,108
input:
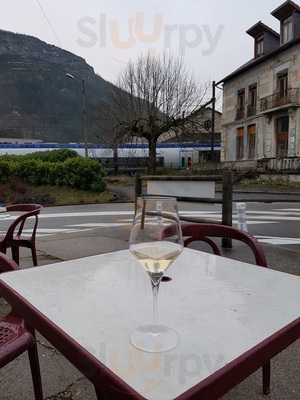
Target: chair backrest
x,y
204,233
30,210
7,265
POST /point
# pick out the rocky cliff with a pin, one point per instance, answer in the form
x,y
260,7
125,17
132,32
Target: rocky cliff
x,y
37,100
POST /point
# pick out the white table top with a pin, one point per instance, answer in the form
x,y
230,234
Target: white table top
x,y
221,308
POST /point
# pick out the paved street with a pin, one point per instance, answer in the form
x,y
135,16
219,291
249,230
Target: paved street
x,y
74,232
276,223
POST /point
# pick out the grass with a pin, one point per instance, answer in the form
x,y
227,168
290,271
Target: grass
x,y
18,192
270,183
119,180
68,196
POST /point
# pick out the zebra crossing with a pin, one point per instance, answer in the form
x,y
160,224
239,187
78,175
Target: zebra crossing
x,y
67,223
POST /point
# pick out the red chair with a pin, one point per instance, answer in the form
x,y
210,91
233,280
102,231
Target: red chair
x,y
16,338
204,233
14,239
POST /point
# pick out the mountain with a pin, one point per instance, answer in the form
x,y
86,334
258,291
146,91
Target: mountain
x,y
37,101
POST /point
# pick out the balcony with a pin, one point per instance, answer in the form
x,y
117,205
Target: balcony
x,y
240,114
251,110
277,101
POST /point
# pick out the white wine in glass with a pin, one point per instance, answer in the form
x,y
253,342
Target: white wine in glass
x,y
156,241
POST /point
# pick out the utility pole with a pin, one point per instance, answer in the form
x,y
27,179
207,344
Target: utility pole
x,y
84,120
213,121
84,133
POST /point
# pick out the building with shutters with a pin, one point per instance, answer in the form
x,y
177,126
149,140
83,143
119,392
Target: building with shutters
x,y
261,103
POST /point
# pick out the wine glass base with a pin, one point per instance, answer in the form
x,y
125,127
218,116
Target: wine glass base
x,y
154,338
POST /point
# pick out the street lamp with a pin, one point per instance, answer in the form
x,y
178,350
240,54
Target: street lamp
x,y
83,112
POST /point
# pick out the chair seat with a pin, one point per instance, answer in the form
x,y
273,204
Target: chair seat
x,y
14,338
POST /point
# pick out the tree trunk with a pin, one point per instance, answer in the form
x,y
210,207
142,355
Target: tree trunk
x,y
152,155
116,160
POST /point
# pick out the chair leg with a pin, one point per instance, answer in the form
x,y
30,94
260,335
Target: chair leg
x,y
35,372
98,394
3,250
15,254
267,378
34,256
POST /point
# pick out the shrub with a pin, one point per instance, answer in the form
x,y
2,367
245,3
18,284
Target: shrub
x,y
7,169
83,174
53,155
74,171
35,172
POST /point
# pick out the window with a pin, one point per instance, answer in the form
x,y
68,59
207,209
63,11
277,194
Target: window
x,y
240,144
241,99
287,30
252,100
251,141
283,84
241,104
282,136
259,46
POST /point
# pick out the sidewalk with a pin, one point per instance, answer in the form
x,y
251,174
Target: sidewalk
x,y
62,382
125,193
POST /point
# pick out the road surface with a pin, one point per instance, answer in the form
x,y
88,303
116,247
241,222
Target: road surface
x,y
276,224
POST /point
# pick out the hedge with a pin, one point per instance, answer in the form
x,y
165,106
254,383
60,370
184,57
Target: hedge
x,y
53,155
48,155
75,172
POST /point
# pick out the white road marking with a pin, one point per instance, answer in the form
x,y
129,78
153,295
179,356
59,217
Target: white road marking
x,y
280,213
257,222
256,217
88,214
81,214
253,218
209,217
42,230
277,214
99,225
277,240
289,209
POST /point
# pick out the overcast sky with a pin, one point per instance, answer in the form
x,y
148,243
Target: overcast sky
x,y
209,34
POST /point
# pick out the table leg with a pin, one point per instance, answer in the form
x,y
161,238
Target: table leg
x,y
267,378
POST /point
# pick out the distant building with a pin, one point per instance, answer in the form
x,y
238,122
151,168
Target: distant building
x,y
261,103
197,133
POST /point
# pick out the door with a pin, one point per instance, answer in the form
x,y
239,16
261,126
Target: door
x,y
240,144
251,142
282,137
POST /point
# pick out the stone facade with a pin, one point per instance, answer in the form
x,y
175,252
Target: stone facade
x,y
274,120
265,76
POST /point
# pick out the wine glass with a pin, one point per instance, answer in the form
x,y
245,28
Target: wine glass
x,y
156,241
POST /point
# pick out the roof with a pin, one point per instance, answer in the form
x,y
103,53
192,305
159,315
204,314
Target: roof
x,y
285,10
260,28
256,61
203,109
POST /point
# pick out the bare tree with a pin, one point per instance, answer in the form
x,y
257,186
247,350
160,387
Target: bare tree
x,y
156,95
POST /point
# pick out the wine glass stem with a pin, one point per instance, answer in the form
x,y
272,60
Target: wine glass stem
x,y
155,289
